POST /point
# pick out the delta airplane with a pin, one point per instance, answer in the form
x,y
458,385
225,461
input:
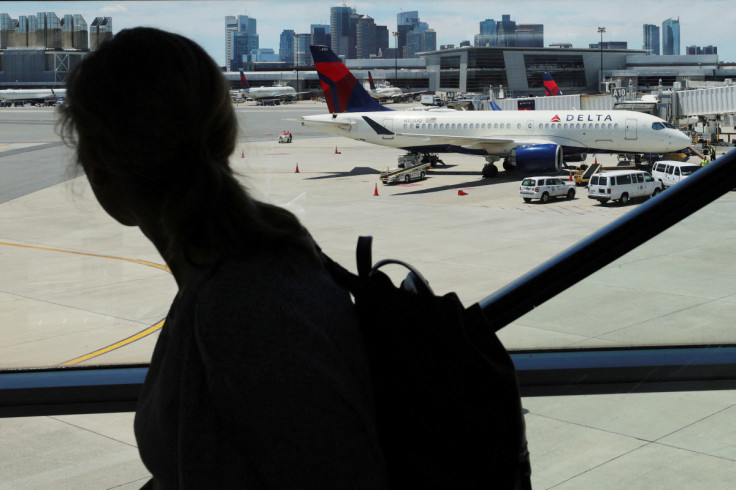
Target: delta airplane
x,y
528,141
386,91
32,94
274,92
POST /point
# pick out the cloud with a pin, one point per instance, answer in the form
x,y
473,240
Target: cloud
x,y
114,9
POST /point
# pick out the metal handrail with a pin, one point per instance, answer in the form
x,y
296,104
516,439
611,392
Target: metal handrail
x,y
611,242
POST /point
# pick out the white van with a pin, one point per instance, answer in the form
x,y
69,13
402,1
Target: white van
x,y
670,172
622,185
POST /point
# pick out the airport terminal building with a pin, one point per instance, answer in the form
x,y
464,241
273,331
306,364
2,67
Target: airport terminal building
x,y
518,71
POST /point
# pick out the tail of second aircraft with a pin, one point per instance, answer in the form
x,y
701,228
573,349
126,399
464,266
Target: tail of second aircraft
x,y
550,86
243,81
342,91
371,82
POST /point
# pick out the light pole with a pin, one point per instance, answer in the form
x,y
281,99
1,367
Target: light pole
x,y
601,30
396,58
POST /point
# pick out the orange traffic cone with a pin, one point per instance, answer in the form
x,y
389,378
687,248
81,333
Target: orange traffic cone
x,y
570,176
596,160
242,154
375,191
297,168
462,193
336,152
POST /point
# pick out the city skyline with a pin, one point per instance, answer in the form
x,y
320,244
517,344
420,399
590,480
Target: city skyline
x,y
573,22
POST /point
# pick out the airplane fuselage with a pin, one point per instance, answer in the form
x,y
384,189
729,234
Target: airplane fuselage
x,y
499,132
31,94
269,92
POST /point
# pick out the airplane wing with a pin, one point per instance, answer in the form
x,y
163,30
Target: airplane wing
x,y
340,124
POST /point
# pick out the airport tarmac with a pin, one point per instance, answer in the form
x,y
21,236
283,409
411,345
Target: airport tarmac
x,y
79,289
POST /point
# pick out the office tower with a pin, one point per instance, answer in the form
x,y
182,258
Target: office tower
x,y
671,36
242,38
405,22
366,37
382,40
301,49
100,31
414,35
231,24
651,38
320,34
488,34
506,30
340,30
286,46
530,36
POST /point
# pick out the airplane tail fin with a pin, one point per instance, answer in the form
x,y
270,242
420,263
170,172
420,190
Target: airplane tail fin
x,y
370,81
550,86
342,91
243,81
494,106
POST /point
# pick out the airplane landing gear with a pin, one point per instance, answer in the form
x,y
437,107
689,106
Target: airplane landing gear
x,y
489,171
507,165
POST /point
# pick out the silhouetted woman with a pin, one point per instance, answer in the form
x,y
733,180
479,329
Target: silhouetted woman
x,y
258,378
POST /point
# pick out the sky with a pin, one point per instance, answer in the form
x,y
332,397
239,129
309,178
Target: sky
x,y
702,22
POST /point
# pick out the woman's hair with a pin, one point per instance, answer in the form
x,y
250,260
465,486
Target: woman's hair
x,y
152,109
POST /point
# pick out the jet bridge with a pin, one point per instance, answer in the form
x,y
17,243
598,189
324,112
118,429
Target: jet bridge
x,y
706,102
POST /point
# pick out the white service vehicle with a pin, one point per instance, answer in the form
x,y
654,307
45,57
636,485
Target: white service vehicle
x,y
543,188
670,172
622,186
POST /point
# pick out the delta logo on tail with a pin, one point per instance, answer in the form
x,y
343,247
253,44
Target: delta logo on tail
x,y
550,86
243,81
342,91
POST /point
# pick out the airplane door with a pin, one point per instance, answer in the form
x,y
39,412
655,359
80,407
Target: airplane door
x,y
530,127
388,123
630,129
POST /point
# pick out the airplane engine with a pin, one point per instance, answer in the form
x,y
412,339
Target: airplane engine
x,y
539,158
577,157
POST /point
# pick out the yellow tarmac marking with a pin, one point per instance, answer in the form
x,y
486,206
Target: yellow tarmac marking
x,y
123,342
116,345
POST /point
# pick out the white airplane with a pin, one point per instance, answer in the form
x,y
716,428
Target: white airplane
x,y
528,141
32,94
273,92
387,92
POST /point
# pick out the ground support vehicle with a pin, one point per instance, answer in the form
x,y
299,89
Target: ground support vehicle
x,y
545,188
410,168
670,172
622,186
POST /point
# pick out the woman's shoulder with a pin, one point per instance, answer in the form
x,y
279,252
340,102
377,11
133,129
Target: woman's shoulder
x,y
266,290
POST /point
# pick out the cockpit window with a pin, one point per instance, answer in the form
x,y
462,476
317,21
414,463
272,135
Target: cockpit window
x,y
657,125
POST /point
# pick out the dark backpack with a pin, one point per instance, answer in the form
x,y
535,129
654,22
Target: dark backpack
x,y
447,400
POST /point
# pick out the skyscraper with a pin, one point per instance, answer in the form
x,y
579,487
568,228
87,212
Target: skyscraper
x,y
414,35
320,34
488,34
242,39
651,38
506,30
671,36
340,30
366,37
286,46
530,36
